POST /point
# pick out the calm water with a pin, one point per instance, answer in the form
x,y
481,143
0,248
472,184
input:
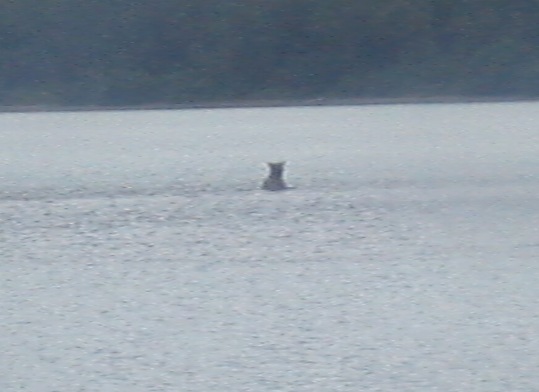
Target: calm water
x,y
137,253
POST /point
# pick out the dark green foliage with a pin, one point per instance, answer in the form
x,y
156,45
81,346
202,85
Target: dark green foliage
x,y
125,52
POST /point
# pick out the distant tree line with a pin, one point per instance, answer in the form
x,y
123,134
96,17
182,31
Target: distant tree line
x,y
129,52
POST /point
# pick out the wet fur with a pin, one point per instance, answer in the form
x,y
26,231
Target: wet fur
x,y
274,181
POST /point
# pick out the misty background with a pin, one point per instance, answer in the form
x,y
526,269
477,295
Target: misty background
x,y
125,52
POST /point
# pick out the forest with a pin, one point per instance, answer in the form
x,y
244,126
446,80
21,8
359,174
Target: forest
x,y
136,52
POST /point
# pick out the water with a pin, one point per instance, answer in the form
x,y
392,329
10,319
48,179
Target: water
x,y
139,255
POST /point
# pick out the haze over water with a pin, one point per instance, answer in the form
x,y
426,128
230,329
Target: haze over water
x,y
138,254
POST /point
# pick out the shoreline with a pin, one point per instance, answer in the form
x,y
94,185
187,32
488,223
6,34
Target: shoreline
x,y
266,103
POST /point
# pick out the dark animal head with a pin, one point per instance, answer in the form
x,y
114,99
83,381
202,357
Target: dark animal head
x,y
276,169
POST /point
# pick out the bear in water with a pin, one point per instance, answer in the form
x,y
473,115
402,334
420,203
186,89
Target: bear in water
x,y
275,181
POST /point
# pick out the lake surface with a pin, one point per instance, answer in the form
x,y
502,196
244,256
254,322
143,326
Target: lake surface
x,y
138,254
